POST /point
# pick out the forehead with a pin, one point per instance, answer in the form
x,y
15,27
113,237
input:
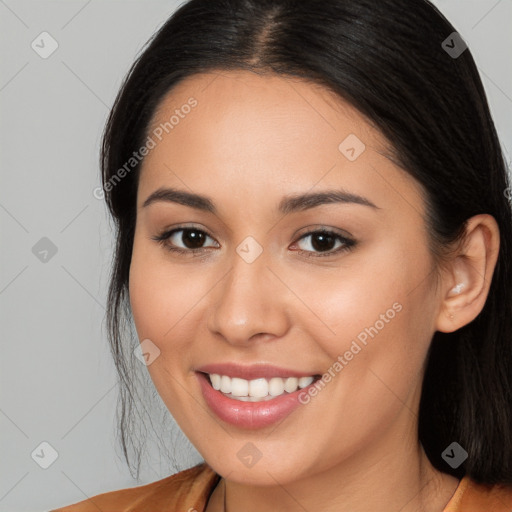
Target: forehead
x,y
233,98
241,117
247,131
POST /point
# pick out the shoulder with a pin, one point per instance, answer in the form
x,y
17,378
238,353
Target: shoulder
x,y
471,496
184,491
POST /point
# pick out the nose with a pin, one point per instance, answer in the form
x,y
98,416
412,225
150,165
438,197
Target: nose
x,y
249,303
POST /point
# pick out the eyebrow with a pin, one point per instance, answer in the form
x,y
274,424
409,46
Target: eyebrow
x,y
288,204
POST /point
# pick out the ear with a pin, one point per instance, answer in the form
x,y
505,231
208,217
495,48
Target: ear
x,y
466,279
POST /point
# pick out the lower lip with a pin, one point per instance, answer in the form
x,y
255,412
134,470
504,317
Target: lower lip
x,y
249,415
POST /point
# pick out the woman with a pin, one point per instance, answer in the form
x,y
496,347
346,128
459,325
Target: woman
x,y
314,242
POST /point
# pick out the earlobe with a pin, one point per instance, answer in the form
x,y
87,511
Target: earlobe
x,y
467,279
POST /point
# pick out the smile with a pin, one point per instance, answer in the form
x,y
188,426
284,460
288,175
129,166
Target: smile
x,y
257,390
252,397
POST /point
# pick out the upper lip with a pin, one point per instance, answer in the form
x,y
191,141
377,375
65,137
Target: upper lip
x,y
250,372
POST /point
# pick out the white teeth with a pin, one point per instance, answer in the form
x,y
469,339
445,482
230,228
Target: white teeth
x,y
215,380
305,381
225,384
257,389
276,386
239,387
291,384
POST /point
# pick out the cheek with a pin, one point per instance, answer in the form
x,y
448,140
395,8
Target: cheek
x,y
373,320
360,296
161,299
161,294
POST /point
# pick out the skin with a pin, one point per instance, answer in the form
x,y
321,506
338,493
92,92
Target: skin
x,y
251,140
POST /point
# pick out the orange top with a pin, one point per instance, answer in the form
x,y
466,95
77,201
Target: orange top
x,y
189,491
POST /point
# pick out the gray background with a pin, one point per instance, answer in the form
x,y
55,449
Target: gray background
x,y
57,378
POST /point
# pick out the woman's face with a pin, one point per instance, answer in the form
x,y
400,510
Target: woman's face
x,y
268,297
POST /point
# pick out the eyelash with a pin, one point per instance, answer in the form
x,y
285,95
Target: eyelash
x,y
348,244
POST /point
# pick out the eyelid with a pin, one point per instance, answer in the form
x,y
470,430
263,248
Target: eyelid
x,y
315,228
348,241
165,234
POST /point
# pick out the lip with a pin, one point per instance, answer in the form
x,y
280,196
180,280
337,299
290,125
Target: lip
x,y
249,415
252,372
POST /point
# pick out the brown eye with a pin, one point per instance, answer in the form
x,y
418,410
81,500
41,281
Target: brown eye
x,y
324,243
184,240
192,238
